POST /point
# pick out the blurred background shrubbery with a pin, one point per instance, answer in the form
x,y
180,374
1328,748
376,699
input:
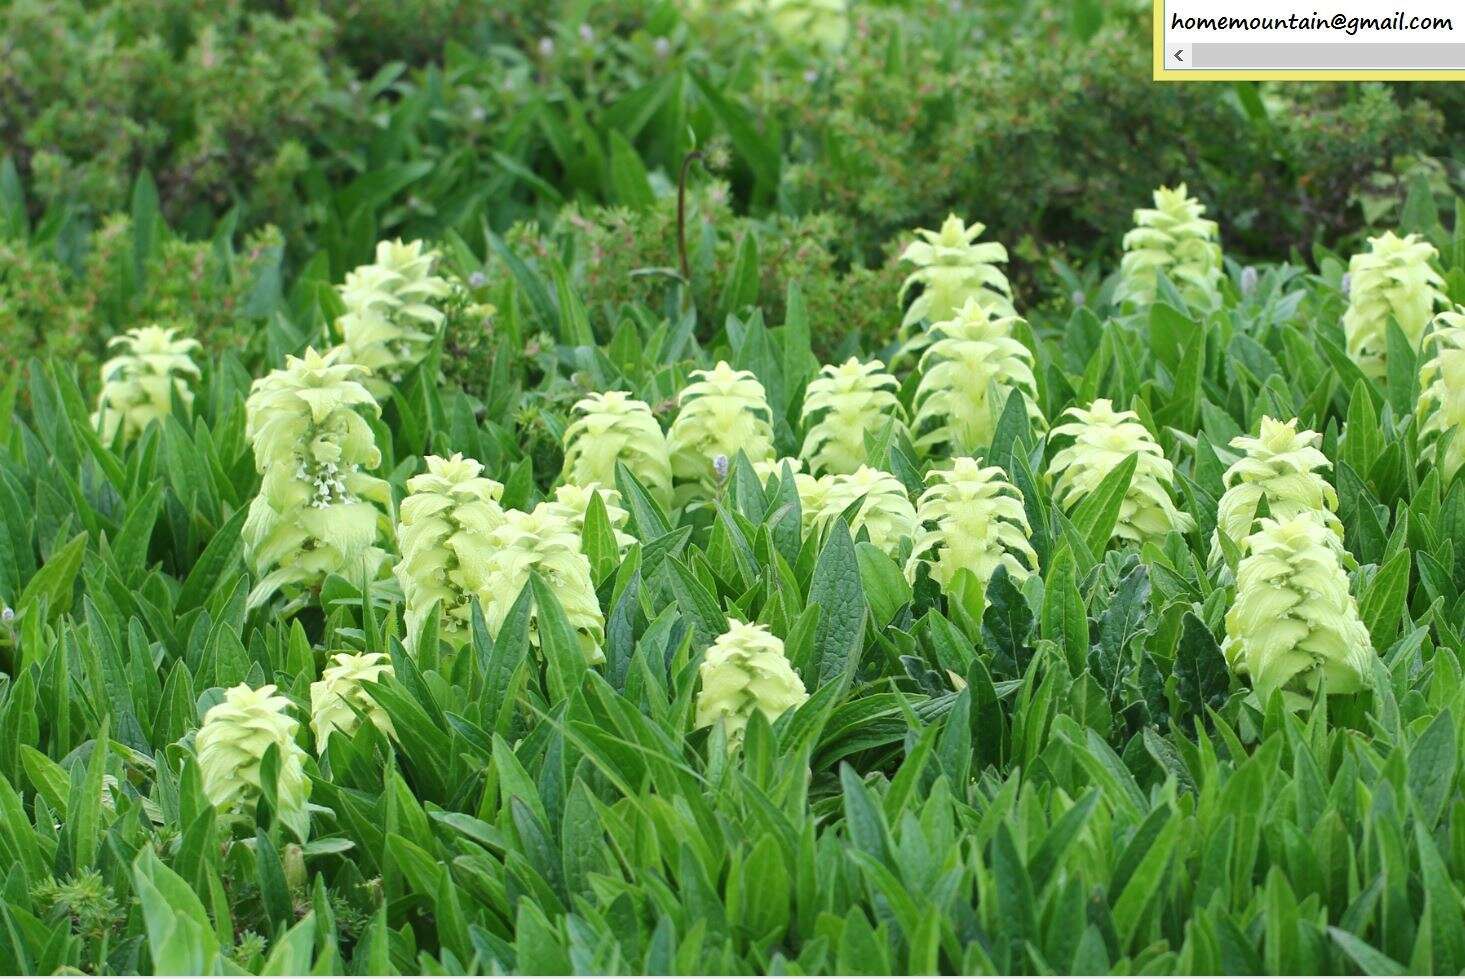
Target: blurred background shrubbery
x,y
182,160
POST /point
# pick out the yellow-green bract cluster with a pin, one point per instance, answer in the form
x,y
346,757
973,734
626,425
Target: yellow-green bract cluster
x,y
841,405
1294,625
459,544
1102,439
338,695
1393,279
139,382
1176,238
319,510
542,541
1442,394
972,519
967,373
231,745
723,411
1283,467
614,427
443,531
744,671
393,311
952,269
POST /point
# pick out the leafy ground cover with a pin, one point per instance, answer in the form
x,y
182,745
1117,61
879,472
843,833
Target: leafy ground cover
x,y
764,488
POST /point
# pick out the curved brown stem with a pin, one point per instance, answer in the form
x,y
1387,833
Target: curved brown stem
x,y
687,162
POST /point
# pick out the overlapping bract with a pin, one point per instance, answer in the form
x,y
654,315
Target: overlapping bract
x,y
743,671
1393,279
723,411
972,519
1176,238
952,268
1294,624
319,511
842,404
572,502
885,511
1102,439
393,311
339,690
542,541
1442,394
820,24
1284,467
232,743
812,491
141,379
443,531
614,427
973,356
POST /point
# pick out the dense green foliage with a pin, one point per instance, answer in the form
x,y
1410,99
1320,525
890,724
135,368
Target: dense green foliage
x,y
375,632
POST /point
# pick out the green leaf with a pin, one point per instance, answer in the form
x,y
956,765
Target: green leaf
x,y
836,589
1096,516
1432,766
1202,678
1382,604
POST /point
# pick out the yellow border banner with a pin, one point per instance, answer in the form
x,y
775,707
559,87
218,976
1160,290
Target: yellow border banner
x,y
1165,74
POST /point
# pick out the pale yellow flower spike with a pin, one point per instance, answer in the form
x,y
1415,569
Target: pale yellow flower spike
x,y
886,513
822,24
1442,394
953,268
1284,467
1392,279
140,380
393,311
614,427
813,491
972,355
1104,438
721,412
1176,238
443,531
339,688
840,406
745,670
319,511
232,743
542,541
971,518
572,502
1293,623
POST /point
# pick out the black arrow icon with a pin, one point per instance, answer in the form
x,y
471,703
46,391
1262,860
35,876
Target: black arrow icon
x,y
1178,53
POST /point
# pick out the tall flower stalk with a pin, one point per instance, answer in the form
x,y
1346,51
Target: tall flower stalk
x,y
319,510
